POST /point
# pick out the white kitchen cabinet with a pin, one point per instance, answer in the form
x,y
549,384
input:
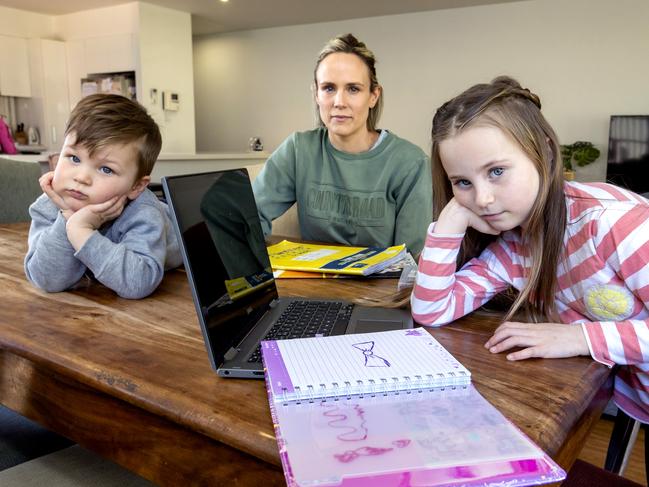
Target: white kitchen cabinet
x,y
49,90
14,67
75,53
110,54
105,54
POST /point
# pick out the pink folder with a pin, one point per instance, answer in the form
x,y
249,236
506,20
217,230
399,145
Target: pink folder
x,y
399,432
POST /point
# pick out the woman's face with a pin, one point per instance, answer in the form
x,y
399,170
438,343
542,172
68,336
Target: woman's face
x,y
343,96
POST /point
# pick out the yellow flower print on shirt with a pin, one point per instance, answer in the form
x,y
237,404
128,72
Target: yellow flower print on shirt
x,y
608,302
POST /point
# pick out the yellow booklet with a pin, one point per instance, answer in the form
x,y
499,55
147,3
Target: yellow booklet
x,y
334,259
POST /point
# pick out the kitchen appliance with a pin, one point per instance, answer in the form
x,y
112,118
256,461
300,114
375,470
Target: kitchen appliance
x,y
33,137
19,135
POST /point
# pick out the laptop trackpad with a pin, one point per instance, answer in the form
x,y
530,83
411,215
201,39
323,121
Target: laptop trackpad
x,y
366,326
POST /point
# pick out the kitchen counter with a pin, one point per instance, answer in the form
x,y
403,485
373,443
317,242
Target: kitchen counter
x,y
30,148
25,157
174,164
203,156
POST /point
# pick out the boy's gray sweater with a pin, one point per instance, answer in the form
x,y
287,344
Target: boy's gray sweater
x,y
129,254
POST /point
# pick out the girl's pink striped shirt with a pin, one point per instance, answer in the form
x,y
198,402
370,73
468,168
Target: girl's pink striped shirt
x,y
603,281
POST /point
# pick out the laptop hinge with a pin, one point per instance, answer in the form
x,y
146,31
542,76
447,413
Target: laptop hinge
x,y
230,354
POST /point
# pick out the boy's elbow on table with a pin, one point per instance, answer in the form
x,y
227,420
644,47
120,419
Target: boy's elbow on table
x,y
141,288
136,293
48,282
51,287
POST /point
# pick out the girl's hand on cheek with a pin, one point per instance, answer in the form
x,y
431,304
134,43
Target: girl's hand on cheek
x,y
456,218
482,225
45,182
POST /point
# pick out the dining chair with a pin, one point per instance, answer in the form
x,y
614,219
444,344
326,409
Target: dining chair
x,y
584,474
287,225
22,439
74,466
19,188
623,438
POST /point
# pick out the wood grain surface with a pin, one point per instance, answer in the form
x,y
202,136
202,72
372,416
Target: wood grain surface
x,y
131,380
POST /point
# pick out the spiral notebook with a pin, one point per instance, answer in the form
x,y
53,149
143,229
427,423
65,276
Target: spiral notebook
x,y
390,409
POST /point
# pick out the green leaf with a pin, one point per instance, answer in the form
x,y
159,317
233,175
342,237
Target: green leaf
x,y
581,152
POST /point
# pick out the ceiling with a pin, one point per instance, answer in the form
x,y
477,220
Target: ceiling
x,y
215,16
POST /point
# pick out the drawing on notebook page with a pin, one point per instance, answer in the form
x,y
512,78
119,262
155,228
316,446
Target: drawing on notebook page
x,y
371,359
351,455
413,333
354,423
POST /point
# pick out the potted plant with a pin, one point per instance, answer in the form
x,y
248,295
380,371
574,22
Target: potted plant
x,y
582,153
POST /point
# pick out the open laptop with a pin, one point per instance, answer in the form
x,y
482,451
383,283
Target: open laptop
x,y
224,252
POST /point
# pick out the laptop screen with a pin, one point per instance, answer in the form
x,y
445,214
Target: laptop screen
x,y
224,253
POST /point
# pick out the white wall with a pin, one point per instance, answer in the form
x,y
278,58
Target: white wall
x,y
165,51
586,59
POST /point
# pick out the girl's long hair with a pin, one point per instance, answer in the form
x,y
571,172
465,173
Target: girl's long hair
x,y
516,111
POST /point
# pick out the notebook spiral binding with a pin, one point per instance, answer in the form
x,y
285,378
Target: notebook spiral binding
x,y
370,387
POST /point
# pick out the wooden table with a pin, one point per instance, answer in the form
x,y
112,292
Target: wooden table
x,y
131,379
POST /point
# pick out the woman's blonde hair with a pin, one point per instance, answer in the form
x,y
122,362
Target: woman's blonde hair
x,y
349,44
516,111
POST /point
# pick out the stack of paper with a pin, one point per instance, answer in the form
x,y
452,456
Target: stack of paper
x,y
333,259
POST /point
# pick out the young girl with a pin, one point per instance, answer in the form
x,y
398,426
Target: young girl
x,y
577,253
354,183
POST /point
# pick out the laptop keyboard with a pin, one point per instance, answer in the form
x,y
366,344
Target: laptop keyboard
x,y
308,319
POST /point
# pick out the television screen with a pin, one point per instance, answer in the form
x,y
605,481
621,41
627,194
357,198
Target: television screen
x,y
628,152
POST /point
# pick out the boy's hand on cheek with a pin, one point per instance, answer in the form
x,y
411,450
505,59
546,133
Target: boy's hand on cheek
x,y
46,185
544,340
83,222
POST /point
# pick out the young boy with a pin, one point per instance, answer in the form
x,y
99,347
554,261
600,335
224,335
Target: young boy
x,y
96,213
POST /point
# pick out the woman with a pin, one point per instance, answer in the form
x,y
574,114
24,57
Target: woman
x,y
353,183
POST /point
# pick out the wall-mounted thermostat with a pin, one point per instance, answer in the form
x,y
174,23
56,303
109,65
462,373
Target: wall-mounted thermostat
x,y
170,100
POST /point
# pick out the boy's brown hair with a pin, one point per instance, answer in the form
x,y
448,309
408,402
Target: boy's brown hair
x,y
102,119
